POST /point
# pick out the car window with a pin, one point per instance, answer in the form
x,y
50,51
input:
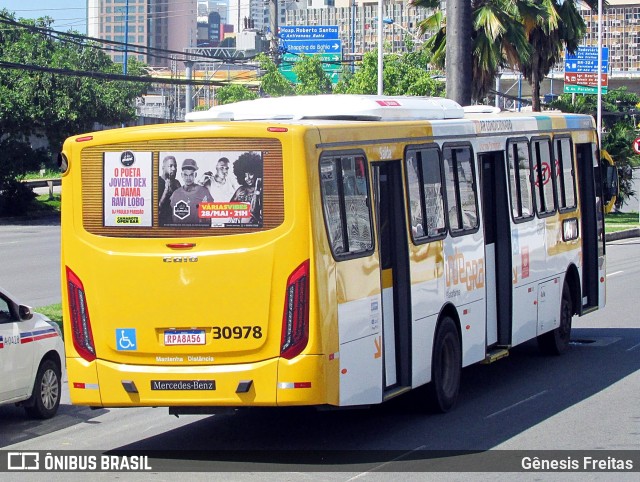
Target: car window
x,y
5,312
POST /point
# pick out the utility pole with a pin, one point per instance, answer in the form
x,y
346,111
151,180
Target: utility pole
x,y
126,42
126,38
188,71
273,26
354,11
380,48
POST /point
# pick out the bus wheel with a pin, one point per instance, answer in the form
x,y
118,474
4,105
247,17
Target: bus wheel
x,y
556,342
446,367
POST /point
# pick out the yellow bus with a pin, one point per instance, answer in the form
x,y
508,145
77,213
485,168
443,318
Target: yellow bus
x,y
323,250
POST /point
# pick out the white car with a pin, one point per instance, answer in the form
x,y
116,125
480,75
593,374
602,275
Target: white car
x,y
31,359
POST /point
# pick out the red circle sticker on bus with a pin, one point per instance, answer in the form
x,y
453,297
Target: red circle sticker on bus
x,y
546,174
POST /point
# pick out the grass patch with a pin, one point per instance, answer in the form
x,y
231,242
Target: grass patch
x,y
620,221
54,312
48,174
42,204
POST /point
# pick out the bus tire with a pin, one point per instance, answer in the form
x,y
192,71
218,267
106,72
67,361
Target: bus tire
x,y
47,389
446,367
556,342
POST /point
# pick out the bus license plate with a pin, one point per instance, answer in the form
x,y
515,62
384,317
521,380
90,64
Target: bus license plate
x,y
184,337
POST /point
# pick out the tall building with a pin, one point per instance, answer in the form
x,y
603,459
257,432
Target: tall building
x,y
620,33
159,24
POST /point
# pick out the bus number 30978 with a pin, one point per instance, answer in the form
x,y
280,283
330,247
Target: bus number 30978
x,y
236,332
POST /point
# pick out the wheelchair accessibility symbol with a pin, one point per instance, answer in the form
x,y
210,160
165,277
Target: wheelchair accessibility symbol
x,y
126,339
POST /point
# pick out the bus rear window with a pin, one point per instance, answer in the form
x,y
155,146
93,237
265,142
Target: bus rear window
x,y
206,187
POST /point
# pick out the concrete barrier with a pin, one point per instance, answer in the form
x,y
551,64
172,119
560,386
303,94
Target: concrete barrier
x,y
33,183
624,234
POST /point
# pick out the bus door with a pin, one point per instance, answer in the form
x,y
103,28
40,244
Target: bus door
x,y
592,228
497,239
394,269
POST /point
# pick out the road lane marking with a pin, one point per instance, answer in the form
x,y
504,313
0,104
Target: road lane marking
x,y
619,243
377,467
516,404
614,273
633,347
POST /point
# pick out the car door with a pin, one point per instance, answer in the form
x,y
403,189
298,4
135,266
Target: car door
x,y
16,357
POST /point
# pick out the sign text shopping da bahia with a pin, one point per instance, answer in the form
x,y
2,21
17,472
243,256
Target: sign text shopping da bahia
x,y
581,71
320,40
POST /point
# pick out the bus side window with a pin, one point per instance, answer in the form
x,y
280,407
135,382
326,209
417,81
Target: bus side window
x,y
544,176
345,203
520,179
460,187
424,180
565,174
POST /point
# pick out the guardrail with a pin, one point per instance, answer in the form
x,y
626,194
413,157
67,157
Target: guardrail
x,y
32,183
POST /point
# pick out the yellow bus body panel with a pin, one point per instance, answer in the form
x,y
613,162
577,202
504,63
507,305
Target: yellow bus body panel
x,y
239,280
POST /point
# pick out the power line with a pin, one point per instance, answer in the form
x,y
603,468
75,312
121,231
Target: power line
x,y
139,48
108,76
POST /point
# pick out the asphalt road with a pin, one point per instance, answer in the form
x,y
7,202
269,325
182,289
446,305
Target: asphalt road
x,y
585,400
30,260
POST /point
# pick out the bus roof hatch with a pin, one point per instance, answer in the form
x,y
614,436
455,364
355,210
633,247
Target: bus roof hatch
x,y
334,107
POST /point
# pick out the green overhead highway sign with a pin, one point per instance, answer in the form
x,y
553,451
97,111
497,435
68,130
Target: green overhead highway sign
x,y
325,57
330,62
291,76
583,89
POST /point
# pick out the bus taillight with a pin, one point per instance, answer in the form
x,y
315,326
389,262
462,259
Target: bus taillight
x,y
295,320
80,323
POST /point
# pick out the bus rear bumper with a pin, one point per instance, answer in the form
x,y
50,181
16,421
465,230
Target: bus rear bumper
x,y
267,383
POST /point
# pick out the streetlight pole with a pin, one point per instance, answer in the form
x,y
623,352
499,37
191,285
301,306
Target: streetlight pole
x,y
354,10
126,38
126,42
380,70
599,109
273,25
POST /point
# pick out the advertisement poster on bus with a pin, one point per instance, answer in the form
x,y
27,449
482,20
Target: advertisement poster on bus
x,y
210,189
128,188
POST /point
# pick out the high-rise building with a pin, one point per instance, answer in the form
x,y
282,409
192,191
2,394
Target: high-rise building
x,y
158,24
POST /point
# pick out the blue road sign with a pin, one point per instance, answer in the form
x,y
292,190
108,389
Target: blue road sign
x,y
588,53
308,32
585,60
328,46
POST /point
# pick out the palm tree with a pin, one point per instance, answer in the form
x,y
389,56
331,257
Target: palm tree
x,y
458,51
526,35
560,27
498,41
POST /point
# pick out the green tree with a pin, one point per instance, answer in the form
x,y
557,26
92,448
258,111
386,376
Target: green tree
x,y
272,82
312,80
404,74
559,27
619,113
618,142
498,41
452,47
234,93
37,102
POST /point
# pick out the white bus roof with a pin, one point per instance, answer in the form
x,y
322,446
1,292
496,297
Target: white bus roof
x,y
334,107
